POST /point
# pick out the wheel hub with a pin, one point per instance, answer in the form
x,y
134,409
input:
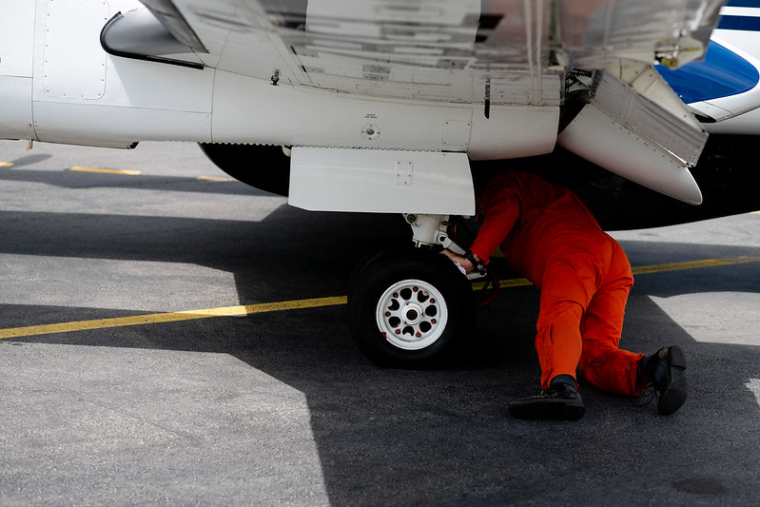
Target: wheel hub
x,y
412,314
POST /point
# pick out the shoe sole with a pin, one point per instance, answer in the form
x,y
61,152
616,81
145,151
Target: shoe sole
x,y
555,411
674,396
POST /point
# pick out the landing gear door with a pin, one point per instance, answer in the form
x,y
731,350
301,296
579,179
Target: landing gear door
x,y
17,39
16,65
381,181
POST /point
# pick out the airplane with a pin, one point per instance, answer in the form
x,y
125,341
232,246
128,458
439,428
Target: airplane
x,y
394,106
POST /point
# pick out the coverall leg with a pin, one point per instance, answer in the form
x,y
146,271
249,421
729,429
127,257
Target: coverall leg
x,y
603,363
583,295
569,281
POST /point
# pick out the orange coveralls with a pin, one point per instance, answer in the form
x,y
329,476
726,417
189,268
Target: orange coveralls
x,y
549,236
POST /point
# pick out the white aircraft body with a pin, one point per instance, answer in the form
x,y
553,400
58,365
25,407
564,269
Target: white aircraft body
x,y
381,106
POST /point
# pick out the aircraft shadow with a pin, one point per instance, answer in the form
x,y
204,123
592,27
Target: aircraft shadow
x,y
396,437
66,178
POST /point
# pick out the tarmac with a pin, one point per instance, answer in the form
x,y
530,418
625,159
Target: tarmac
x,y
169,336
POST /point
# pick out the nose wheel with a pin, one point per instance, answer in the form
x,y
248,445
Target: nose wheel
x,y
410,308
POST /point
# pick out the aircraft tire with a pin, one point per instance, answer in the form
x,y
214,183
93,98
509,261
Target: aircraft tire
x,y
410,308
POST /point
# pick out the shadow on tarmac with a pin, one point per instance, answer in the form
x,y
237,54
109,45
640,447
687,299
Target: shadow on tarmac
x,y
388,437
66,178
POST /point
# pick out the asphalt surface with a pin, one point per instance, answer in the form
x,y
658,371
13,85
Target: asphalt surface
x,y
279,407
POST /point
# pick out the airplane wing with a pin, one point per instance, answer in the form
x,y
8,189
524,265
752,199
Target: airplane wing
x,y
508,52
486,54
350,84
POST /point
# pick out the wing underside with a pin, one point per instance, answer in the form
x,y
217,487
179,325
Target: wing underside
x,y
592,61
508,52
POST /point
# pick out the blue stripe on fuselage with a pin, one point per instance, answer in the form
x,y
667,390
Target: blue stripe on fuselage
x,y
722,73
743,3
745,23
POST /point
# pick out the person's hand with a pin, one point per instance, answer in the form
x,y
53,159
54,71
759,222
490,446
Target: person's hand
x,y
458,259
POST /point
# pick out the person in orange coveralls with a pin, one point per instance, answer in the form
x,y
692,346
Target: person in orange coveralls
x,y
549,236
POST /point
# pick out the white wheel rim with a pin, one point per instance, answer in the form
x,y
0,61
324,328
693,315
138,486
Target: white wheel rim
x,y
412,314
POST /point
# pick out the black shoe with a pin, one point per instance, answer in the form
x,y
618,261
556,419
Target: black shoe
x,y
560,401
665,371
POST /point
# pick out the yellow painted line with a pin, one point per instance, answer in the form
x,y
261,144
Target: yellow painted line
x,y
158,318
215,178
644,270
505,284
104,171
234,311
682,266
6,164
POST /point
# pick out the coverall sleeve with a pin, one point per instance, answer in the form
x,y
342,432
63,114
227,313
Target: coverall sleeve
x,y
501,212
